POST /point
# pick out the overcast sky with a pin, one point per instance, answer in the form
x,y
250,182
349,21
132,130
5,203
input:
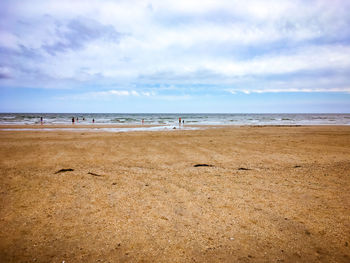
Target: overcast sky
x,y
175,56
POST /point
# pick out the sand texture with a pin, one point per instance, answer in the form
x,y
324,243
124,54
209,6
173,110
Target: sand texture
x,y
268,194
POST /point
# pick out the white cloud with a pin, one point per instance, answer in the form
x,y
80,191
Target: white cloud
x,y
8,40
334,90
305,84
108,94
309,58
114,93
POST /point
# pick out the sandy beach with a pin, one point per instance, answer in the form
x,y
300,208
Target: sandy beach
x,y
229,194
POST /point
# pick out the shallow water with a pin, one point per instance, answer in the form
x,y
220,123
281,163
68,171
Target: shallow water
x,y
126,129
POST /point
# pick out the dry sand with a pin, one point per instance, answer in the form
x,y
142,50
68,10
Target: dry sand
x,y
146,202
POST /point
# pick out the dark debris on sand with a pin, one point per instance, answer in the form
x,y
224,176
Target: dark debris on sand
x,y
243,169
94,174
203,165
64,170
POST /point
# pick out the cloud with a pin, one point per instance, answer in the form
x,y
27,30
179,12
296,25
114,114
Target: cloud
x,y
289,90
114,92
305,58
117,93
76,33
258,45
5,73
107,94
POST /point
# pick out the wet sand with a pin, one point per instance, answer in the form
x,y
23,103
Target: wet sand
x,y
269,194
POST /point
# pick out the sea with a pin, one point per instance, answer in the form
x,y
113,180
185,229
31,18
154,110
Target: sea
x,y
169,119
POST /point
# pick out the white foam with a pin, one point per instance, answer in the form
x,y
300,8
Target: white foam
x,y
152,128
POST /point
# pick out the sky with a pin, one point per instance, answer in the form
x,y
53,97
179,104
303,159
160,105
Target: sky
x,y
209,56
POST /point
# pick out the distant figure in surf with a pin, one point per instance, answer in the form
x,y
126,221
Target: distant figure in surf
x,y
73,120
179,121
183,122
41,120
93,120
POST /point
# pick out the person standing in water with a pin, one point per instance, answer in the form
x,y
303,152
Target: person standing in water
x,y
93,120
180,121
41,120
73,120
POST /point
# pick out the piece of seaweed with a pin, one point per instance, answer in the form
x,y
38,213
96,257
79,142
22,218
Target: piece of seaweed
x,y
203,165
64,170
94,174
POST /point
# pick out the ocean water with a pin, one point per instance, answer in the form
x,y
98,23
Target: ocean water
x,y
172,119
